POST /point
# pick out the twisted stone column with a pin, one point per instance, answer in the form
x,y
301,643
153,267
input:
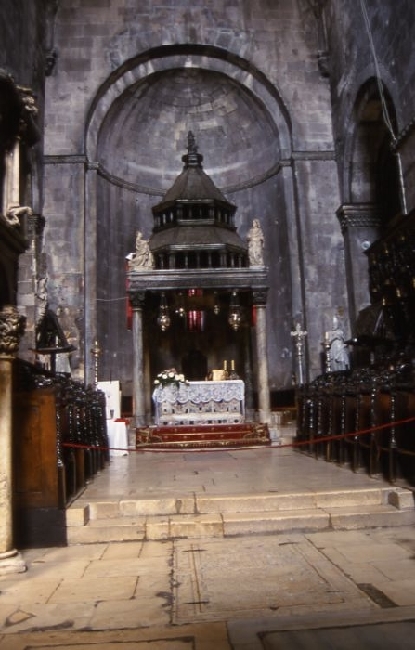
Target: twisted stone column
x,y
11,328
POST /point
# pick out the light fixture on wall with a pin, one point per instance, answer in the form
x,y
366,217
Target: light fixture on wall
x,y
234,318
164,317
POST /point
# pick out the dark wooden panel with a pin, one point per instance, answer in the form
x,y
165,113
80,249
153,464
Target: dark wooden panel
x,y
35,449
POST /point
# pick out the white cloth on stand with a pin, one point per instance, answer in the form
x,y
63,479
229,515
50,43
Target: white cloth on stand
x,y
112,392
117,438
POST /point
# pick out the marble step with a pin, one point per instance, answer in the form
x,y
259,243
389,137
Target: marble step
x,y
262,502
225,517
159,527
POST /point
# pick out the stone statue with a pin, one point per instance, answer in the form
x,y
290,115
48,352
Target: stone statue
x,y
142,258
256,244
338,353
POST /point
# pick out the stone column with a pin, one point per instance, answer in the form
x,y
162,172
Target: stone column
x,y
90,270
139,407
260,298
10,331
294,238
247,370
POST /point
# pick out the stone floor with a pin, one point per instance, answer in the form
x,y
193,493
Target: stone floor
x,y
259,470
326,589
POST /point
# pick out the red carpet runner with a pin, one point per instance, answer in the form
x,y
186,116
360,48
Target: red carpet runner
x,y
244,434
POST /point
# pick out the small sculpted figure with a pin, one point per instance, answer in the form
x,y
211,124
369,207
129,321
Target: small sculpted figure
x,y
256,244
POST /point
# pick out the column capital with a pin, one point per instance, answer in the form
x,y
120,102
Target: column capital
x,y
12,326
137,299
259,297
359,215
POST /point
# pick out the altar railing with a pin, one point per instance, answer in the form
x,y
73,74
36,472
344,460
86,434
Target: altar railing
x,y
200,402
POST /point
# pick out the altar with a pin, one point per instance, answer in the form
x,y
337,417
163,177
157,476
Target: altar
x,y
200,402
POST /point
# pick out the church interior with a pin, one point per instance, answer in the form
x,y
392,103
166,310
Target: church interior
x,y
208,209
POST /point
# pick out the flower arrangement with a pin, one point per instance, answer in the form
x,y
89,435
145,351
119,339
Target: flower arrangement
x,y
167,377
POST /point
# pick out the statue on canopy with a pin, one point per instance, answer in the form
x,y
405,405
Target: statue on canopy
x,y
256,244
142,258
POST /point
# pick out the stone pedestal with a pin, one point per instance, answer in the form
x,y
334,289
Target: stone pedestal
x,y
10,560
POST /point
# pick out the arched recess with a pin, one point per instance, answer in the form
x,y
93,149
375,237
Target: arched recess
x,y
371,185
135,137
373,170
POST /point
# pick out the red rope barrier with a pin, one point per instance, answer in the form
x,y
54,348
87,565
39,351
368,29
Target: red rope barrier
x,y
362,432
300,443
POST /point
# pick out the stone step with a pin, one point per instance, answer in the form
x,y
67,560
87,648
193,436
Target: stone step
x,y
123,529
191,526
370,517
208,504
207,516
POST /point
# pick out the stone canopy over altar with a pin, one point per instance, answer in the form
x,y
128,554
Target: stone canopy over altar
x,y
198,291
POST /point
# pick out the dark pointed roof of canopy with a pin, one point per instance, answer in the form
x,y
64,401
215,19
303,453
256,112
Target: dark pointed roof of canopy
x,y
188,237
193,184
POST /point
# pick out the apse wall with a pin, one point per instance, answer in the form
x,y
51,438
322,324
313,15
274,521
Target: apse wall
x,y
140,146
114,62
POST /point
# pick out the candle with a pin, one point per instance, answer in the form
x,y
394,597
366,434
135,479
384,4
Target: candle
x,y
225,364
233,364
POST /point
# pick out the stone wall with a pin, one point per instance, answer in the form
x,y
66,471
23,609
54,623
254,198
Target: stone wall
x,y
274,92
375,167
130,81
22,57
391,26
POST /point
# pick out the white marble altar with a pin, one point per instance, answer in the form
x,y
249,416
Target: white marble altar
x,y
200,402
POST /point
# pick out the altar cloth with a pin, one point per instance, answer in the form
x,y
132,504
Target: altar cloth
x,y
200,401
